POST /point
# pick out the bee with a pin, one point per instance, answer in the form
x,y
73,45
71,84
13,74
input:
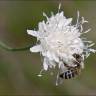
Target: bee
x,y
72,72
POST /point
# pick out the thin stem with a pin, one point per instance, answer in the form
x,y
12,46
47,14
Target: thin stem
x,y
4,46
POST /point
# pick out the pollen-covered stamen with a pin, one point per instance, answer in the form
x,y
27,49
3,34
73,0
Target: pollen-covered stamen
x,y
59,7
80,23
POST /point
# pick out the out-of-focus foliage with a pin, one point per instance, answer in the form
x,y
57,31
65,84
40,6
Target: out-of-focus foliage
x,y
18,70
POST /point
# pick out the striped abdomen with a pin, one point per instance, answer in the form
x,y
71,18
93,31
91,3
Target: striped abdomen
x,y
70,73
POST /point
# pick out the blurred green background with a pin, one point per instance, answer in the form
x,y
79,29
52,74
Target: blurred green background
x,y
18,70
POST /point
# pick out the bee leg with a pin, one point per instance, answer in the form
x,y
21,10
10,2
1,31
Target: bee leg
x,y
58,79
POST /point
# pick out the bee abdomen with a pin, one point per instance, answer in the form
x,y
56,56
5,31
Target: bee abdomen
x,y
68,74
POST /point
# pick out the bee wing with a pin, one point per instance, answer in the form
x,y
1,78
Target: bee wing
x,y
82,65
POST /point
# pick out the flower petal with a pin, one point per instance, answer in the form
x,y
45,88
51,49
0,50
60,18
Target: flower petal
x,y
92,50
33,33
49,55
36,48
55,57
45,65
68,21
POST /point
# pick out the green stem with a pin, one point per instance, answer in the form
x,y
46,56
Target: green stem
x,y
3,46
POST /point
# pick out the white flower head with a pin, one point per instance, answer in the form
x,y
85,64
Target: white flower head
x,y
59,40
